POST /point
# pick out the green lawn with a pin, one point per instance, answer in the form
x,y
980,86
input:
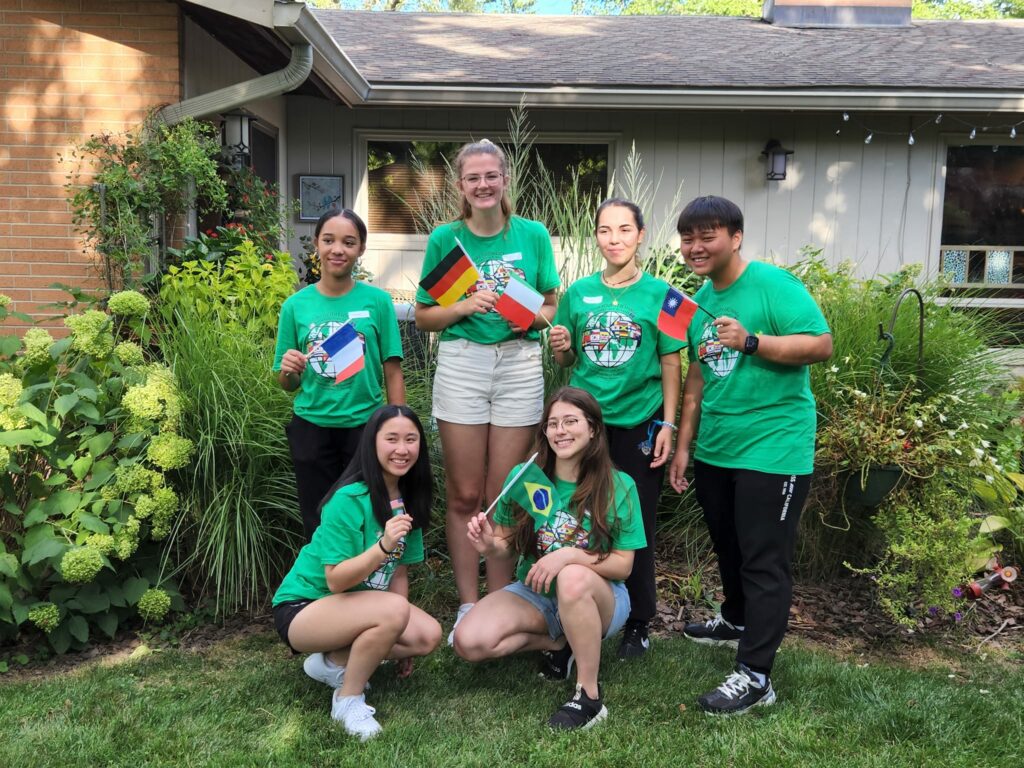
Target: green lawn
x,y
246,702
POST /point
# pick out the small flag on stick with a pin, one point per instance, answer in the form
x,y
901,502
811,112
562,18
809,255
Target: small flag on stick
x,y
451,278
342,350
676,313
534,492
520,303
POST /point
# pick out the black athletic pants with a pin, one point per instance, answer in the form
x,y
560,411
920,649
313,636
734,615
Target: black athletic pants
x,y
624,445
319,455
752,518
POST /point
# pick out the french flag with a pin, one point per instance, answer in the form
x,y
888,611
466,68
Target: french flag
x,y
344,349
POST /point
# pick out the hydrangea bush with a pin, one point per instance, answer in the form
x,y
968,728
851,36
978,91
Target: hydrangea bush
x,y
89,439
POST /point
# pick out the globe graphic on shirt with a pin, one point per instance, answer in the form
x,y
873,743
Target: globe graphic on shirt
x,y
319,362
716,356
494,275
611,338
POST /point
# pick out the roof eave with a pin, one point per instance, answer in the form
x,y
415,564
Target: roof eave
x,y
775,99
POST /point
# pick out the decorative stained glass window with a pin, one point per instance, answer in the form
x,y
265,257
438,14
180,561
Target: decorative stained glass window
x,y
954,266
997,270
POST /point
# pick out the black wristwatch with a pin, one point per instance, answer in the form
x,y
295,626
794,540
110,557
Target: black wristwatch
x,y
750,344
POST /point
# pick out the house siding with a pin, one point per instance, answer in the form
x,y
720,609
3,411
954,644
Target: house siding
x,y
68,69
878,205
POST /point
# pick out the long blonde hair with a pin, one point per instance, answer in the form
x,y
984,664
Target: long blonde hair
x,y
482,147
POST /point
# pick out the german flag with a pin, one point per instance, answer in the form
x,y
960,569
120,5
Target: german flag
x,y
450,279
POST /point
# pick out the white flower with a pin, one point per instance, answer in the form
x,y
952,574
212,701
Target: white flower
x,y
951,432
989,479
963,425
985,444
979,453
958,452
918,423
942,418
858,394
974,463
900,433
834,369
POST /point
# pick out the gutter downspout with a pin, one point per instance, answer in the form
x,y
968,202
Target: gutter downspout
x,y
224,99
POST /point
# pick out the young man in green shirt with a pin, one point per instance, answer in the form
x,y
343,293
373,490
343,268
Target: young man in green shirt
x,y
748,387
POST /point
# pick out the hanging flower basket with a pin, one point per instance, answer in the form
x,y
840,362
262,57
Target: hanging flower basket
x,y
870,487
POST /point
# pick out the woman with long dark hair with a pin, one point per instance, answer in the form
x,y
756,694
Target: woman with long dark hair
x,y
346,599
332,405
573,556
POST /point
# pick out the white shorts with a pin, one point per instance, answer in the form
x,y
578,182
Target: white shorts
x,y
500,384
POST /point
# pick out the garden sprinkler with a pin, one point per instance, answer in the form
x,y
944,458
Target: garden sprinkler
x,y
1001,578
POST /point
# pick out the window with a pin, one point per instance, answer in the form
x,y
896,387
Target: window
x,y
410,192
983,217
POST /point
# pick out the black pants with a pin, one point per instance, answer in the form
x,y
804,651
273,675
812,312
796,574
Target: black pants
x,y
319,455
752,518
624,444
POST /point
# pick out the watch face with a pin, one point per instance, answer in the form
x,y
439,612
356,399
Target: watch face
x,y
750,345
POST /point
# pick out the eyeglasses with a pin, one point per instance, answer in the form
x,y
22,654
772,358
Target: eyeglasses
x,y
474,179
569,422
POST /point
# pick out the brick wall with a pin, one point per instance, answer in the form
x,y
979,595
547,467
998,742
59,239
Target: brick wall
x,y
68,68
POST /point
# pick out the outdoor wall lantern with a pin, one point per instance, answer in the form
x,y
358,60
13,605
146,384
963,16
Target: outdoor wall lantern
x,y
777,159
236,138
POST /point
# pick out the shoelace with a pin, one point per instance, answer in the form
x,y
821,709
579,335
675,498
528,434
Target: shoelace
x,y
716,622
736,685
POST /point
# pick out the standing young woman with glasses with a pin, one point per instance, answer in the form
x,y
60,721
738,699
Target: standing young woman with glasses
x,y
489,383
607,330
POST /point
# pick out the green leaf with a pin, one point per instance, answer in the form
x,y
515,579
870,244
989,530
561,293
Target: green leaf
x,y
36,514
6,598
1018,479
89,411
102,471
81,466
65,403
131,442
92,523
63,503
20,658
60,638
8,565
99,445
41,544
9,345
116,596
33,413
3,667
107,622
993,523
79,628
57,478
90,600
17,437
20,612
134,587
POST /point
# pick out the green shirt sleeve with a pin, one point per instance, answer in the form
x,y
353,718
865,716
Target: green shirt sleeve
x,y
794,310
390,338
340,534
547,272
286,338
628,531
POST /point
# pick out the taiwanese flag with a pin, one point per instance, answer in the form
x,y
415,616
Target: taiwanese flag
x,y
676,313
344,350
453,275
519,303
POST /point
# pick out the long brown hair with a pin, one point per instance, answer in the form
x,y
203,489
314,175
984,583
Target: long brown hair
x,y
595,486
482,147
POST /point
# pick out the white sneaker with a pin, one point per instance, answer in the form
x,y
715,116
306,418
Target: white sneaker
x,y
321,670
463,610
355,715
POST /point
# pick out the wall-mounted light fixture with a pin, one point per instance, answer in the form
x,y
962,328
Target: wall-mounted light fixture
x,y
777,156
236,138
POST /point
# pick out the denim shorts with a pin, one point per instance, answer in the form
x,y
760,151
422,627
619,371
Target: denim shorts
x,y
548,607
500,384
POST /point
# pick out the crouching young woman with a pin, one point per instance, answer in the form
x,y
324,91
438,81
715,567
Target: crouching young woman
x,y
573,557
345,601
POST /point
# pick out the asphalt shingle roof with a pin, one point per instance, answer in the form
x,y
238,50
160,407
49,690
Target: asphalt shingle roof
x,y
675,52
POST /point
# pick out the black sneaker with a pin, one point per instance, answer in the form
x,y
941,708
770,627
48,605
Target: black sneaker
x,y
716,631
557,665
635,641
738,693
579,712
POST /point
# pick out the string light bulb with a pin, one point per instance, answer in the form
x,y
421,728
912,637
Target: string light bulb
x,y
869,137
974,132
1013,131
938,118
911,140
846,117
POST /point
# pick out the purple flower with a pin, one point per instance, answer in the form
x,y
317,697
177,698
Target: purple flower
x,y
957,592
934,610
958,616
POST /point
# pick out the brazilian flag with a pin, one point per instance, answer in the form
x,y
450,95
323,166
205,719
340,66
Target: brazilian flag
x,y
534,492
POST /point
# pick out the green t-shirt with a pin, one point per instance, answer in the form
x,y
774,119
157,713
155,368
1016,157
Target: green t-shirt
x,y
618,345
307,318
557,528
347,529
523,249
756,414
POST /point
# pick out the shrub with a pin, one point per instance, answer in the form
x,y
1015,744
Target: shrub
x,y
75,554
